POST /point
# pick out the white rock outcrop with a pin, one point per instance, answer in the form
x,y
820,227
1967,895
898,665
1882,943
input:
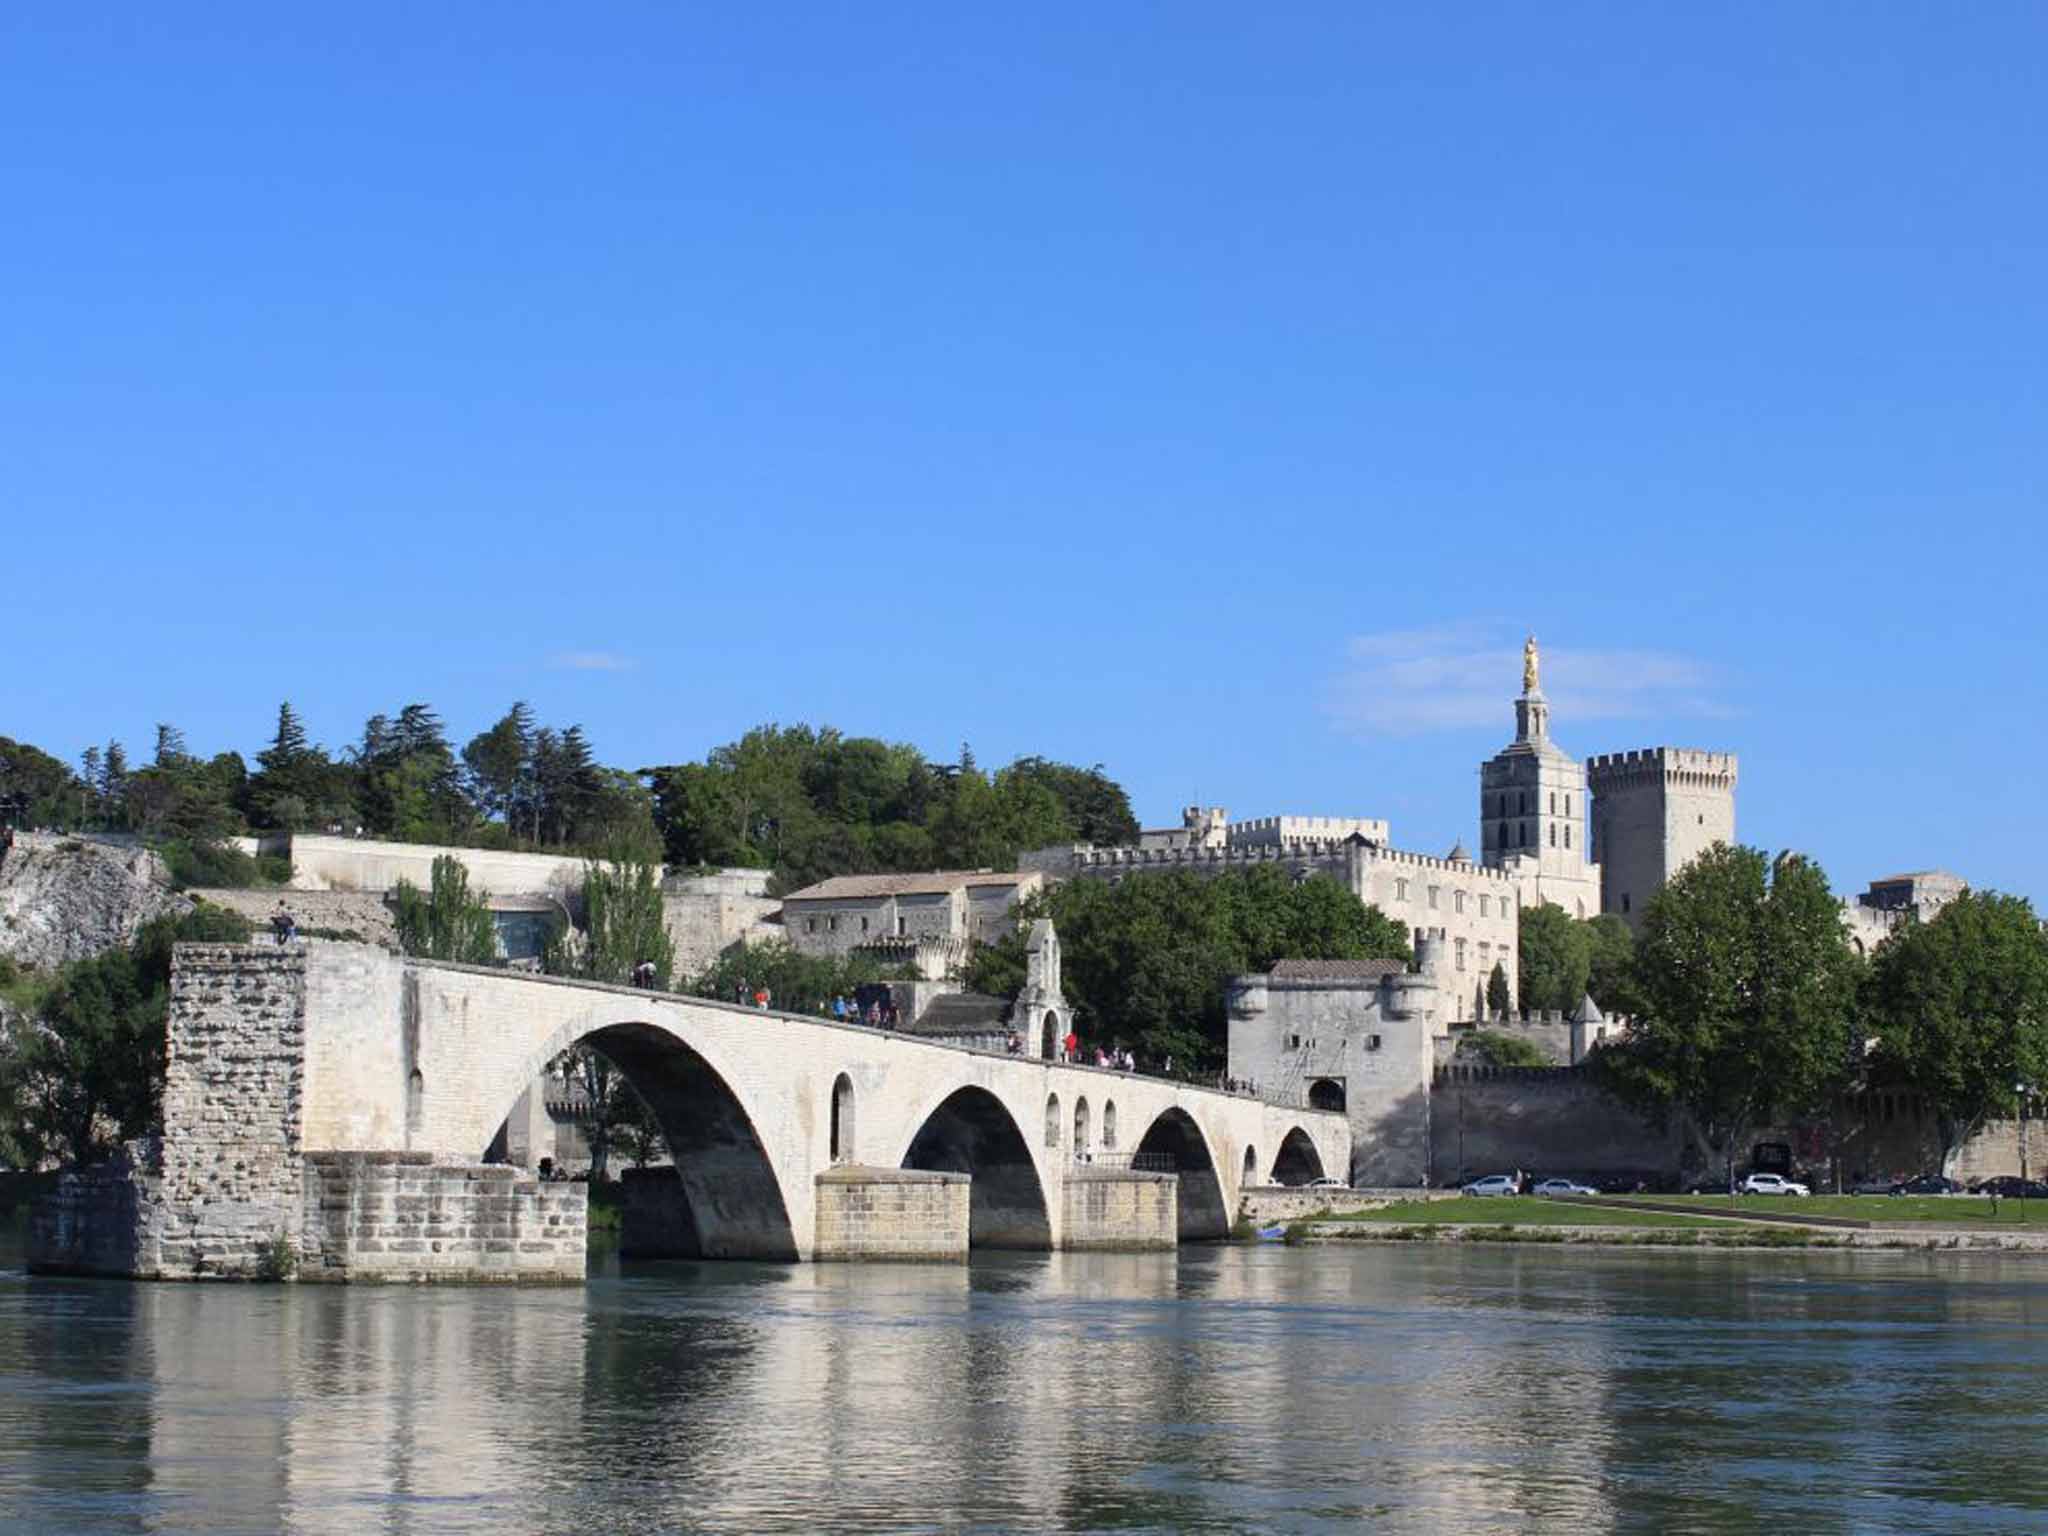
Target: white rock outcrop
x,y
66,898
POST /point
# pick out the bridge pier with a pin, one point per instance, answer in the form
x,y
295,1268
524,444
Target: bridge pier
x,y
1120,1209
870,1214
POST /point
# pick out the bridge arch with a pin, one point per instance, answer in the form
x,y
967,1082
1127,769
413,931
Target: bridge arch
x,y
971,1132
1297,1161
730,1190
1202,1212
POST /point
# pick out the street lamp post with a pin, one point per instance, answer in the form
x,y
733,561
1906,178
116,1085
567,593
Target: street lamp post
x,y
2025,1092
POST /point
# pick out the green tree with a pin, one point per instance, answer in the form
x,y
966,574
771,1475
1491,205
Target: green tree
x,y
1747,987
36,789
1097,809
448,922
1611,947
499,765
810,803
1497,1048
1498,999
1960,1008
296,785
1555,958
1146,963
623,926
797,983
90,1072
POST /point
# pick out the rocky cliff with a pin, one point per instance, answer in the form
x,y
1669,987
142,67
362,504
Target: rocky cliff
x,y
64,898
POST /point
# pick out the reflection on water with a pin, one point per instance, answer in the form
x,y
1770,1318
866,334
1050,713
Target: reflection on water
x,y
1405,1388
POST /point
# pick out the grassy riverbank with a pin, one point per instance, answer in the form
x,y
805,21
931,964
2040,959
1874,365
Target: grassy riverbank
x,y
1513,1210
1971,1211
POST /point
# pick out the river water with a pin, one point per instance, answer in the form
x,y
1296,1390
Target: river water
x,y
1396,1388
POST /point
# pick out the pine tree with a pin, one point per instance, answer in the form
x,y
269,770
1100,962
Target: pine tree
x,y
1497,995
170,746
288,746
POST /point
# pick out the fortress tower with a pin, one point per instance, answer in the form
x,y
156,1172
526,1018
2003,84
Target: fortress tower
x,y
1532,807
1654,811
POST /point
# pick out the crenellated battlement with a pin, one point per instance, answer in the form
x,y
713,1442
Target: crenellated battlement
x,y
1331,854
1616,770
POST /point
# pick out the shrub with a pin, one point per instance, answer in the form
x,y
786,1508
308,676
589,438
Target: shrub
x,y
277,1259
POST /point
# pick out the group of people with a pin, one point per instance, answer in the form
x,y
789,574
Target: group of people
x,y
751,997
880,1013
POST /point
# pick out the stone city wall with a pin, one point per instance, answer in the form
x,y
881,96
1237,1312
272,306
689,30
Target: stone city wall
x,y
364,864
1542,1119
335,913
102,1220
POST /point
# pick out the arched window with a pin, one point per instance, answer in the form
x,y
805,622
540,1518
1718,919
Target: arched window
x,y
1080,1130
1049,1041
415,1101
842,1119
1553,834
1052,1120
1567,837
1553,802
1109,1126
1251,1164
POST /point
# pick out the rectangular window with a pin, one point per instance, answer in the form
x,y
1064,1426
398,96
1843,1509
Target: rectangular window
x,y
1567,837
1434,892
1461,954
1482,904
832,924
902,925
1372,1042
810,925
863,925
1458,901
1400,890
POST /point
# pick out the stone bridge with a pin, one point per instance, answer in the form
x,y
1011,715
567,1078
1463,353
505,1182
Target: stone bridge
x,y
344,1096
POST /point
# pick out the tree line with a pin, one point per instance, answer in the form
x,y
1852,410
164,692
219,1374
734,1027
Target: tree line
x,y
801,801
1751,1008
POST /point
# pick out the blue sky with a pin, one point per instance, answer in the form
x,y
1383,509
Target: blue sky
x,y
1218,396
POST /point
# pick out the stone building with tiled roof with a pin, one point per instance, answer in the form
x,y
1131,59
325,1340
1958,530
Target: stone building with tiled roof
x,y
945,910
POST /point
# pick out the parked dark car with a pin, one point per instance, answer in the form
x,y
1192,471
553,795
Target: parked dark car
x,y
1874,1187
1928,1184
2012,1187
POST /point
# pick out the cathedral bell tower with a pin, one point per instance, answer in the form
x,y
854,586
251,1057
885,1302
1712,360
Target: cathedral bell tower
x,y
1532,806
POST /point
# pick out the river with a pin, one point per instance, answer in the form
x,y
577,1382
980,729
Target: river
x,y
1395,1388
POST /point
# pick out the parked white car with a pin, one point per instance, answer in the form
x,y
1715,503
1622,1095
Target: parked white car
x,y
1326,1183
1771,1184
1492,1184
1564,1187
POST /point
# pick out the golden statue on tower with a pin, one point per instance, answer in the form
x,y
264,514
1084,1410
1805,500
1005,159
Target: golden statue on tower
x,y
1531,662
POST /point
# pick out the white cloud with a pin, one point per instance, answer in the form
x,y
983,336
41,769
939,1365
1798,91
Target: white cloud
x,y
1410,682
590,661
